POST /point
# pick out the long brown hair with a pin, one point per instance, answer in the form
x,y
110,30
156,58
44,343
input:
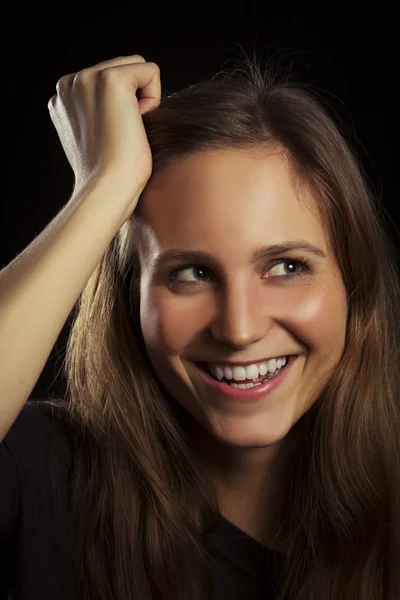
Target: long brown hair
x,y
142,504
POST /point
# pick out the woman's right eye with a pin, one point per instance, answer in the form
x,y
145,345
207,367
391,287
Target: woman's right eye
x,y
173,275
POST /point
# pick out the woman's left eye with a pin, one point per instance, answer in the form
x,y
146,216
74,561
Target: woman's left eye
x,y
300,266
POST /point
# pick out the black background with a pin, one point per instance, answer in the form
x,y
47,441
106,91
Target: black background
x,y
348,52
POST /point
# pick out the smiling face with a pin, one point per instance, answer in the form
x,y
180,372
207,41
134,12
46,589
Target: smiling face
x,y
229,203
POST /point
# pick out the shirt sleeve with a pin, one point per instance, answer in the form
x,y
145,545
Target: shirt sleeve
x,y
9,495
36,542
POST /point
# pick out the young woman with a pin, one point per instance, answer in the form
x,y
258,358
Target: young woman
x,y
230,427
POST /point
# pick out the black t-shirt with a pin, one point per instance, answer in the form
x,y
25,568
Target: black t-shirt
x,y
35,538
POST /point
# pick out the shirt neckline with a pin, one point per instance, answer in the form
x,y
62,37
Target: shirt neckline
x,y
243,551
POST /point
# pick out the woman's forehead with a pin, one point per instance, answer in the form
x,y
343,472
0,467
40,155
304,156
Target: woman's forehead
x,y
231,199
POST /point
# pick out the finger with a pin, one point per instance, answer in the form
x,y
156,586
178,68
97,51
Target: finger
x,y
65,82
120,60
144,77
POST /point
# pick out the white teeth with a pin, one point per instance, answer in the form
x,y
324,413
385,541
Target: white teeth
x,y
251,372
244,386
242,373
248,372
219,373
263,368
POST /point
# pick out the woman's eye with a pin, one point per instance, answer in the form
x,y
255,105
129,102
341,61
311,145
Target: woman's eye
x,y
282,269
187,271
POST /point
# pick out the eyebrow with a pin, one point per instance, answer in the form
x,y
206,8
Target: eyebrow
x,y
181,254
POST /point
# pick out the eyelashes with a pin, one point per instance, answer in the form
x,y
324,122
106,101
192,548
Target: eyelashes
x,y
301,264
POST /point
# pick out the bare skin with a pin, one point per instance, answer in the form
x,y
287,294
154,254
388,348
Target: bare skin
x,y
227,203
97,115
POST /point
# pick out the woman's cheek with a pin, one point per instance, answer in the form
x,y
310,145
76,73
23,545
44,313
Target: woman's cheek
x,y
319,319
170,322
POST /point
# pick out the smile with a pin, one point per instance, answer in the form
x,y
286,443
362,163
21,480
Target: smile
x,y
244,388
249,374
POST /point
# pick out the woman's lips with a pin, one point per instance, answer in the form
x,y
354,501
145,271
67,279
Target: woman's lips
x,y
251,394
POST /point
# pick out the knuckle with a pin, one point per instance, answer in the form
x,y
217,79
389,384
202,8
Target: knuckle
x,y
106,75
155,67
61,85
64,83
81,77
51,102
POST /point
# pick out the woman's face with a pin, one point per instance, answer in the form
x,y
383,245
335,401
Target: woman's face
x,y
228,204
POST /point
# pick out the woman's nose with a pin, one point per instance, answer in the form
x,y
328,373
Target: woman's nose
x,y
240,321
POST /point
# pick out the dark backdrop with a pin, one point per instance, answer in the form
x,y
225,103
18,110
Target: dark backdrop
x,y
350,54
